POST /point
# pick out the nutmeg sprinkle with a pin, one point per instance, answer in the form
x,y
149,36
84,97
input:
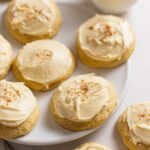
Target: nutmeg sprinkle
x,y
144,115
101,32
82,89
43,55
9,93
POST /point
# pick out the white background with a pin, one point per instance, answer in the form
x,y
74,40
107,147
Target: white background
x,y
139,90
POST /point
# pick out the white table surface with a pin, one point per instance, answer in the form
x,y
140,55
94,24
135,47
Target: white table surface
x,y
139,90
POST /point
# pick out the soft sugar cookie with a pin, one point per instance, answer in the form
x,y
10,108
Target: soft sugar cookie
x,y
134,126
44,64
105,41
29,20
19,110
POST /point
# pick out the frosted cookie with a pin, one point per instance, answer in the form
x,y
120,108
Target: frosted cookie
x,y
29,20
43,64
91,146
83,102
6,56
134,126
19,110
105,41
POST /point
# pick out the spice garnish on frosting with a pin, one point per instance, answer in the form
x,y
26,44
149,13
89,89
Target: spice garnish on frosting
x,y
38,57
43,55
101,32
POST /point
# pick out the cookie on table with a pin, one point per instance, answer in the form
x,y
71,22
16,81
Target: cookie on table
x,y
43,64
92,146
6,56
29,20
134,126
83,102
19,110
105,41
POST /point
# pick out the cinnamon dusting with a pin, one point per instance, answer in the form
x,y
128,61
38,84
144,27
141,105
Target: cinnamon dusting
x,y
101,32
10,94
43,55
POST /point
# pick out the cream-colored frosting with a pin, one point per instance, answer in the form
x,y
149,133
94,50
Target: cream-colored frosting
x,y
92,146
44,61
105,38
138,118
32,17
81,98
16,103
5,55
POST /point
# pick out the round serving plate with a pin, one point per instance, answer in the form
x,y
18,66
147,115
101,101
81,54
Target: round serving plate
x,y
47,132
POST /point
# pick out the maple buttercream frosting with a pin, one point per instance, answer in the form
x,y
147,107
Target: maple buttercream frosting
x,y
104,39
44,62
138,118
81,98
6,56
91,146
33,18
16,103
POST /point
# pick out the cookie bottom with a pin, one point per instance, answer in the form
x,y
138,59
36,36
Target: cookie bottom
x,y
23,129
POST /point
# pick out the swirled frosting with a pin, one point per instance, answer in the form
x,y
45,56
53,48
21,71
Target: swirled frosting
x,y
31,17
138,118
92,146
105,38
81,98
44,61
5,55
16,103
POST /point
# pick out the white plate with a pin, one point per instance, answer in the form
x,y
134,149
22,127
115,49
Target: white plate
x,y
47,132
